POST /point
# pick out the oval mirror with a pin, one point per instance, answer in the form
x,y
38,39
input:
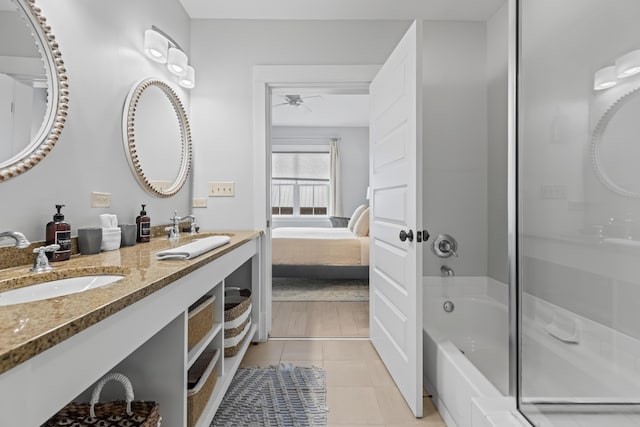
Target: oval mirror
x,y
615,149
33,88
157,137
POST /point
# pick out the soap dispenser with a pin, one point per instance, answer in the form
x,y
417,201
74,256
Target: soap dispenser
x,y
59,232
143,225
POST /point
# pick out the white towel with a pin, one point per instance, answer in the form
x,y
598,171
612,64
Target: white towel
x,y
194,249
108,221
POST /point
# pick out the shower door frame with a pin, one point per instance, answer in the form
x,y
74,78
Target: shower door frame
x,y
512,198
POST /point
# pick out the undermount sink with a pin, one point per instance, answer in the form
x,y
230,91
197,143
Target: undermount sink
x,y
56,288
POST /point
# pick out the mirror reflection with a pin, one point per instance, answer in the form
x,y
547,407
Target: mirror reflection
x,y
157,137
616,148
23,83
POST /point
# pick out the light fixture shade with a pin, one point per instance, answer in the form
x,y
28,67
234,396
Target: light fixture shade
x,y
605,78
628,64
189,79
155,46
177,61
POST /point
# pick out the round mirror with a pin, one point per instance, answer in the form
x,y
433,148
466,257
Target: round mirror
x,y
615,149
157,137
33,88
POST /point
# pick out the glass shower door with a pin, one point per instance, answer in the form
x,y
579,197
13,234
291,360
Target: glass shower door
x,y
579,212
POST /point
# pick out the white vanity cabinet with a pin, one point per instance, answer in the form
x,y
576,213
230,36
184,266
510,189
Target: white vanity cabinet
x,y
147,342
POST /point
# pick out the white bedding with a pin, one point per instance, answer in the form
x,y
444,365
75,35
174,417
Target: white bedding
x,y
319,246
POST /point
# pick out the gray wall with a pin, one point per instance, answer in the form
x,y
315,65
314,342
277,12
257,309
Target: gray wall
x,y
455,143
497,115
101,44
224,53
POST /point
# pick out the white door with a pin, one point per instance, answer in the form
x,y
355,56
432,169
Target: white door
x,y
396,208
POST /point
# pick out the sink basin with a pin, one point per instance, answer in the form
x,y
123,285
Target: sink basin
x,y
56,288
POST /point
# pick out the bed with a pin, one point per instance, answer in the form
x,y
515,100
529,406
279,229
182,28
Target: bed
x,y
330,253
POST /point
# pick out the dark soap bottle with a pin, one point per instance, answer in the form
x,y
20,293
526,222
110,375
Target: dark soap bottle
x,y
143,223
59,232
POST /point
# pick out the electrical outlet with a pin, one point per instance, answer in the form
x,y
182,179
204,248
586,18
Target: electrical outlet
x,y
100,200
199,202
222,189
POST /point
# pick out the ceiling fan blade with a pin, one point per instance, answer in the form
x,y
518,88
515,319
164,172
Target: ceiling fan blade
x,y
280,105
312,98
306,108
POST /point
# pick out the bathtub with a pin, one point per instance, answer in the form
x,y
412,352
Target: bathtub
x,y
465,351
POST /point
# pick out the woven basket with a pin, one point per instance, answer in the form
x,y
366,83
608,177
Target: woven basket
x,y
200,320
231,349
237,318
201,380
236,302
108,414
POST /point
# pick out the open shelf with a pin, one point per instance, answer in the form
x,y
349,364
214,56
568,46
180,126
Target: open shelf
x,y
197,349
231,365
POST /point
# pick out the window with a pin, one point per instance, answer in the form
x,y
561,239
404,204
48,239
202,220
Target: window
x,y
300,183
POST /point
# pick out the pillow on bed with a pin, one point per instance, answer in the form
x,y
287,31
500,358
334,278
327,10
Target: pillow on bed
x,y
356,215
361,228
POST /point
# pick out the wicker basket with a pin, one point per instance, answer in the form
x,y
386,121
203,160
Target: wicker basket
x,y
108,414
236,302
237,319
201,380
232,344
200,320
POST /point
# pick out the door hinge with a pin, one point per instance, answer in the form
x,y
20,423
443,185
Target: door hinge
x,y
268,223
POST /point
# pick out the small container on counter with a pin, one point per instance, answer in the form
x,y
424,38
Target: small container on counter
x,y
58,232
143,225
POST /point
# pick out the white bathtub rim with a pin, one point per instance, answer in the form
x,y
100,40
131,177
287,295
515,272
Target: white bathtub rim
x,y
480,384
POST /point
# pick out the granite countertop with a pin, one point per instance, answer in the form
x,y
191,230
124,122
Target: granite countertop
x,y
31,328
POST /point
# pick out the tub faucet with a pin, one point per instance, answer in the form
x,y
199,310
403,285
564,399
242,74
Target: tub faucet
x,y
21,242
446,271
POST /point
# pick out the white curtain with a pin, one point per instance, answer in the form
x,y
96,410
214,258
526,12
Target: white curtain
x,y
335,182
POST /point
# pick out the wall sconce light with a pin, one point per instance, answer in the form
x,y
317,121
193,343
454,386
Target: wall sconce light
x,y
161,48
628,64
605,78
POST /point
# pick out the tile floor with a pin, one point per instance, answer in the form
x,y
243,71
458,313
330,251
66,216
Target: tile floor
x,y
320,319
360,391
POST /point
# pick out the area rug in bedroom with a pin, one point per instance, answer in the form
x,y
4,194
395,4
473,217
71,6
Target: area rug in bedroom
x,y
301,289
275,396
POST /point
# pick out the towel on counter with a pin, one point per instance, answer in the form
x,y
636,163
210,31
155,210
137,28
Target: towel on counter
x,y
108,221
194,249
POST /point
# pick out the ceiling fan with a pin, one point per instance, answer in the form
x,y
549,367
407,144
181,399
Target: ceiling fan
x,y
297,101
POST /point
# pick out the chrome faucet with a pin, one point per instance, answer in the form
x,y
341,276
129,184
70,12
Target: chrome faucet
x,y
41,262
446,271
174,230
21,241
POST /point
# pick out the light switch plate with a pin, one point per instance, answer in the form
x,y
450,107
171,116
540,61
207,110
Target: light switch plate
x,y
199,202
222,189
100,200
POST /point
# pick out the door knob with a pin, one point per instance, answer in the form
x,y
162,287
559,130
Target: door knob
x,y
404,235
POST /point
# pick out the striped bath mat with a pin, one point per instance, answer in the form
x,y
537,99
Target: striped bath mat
x,y
283,395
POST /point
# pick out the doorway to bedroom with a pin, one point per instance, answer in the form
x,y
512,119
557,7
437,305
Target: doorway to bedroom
x,y
319,184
